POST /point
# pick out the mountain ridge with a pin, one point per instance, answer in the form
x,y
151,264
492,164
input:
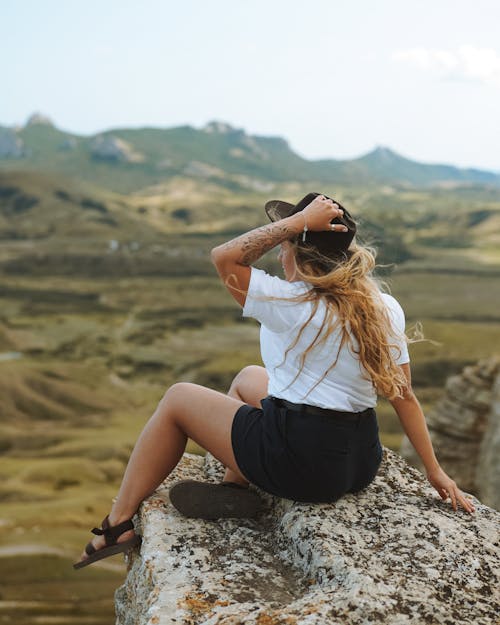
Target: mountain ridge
x,y
130,159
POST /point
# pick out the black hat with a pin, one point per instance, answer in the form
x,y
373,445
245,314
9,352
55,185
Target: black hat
x,y
330,244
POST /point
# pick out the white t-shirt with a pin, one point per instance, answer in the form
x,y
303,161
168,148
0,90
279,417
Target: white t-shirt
x,y
347,385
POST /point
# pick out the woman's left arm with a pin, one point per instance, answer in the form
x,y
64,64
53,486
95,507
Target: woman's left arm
x,y
412,418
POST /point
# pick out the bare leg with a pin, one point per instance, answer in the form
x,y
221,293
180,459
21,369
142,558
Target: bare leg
x,y
249,386
186,410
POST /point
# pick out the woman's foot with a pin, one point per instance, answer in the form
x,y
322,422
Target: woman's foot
x,y
110,539
234,478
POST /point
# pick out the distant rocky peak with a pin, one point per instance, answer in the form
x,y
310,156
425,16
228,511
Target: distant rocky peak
x,y
383,152
382,156
222,128
38,119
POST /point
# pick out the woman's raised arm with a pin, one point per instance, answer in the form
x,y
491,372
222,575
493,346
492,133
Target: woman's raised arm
x,y
233,259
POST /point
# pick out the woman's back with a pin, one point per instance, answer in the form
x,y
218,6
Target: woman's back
x,y
346,386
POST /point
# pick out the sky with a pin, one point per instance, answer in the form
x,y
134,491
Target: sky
x,y
334,78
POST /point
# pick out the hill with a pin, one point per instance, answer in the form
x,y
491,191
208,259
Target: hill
x,y
56,225
126,160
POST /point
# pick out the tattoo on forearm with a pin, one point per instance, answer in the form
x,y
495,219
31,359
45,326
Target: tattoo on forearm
x,y
255,244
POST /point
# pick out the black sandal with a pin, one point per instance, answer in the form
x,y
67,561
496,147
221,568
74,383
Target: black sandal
x,y
111,535
206,500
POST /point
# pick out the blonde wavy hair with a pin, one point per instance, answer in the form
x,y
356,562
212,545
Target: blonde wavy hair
x,y
353,297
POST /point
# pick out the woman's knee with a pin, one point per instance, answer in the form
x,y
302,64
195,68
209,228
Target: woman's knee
x,y
253,370
178,392
243,375
250,384
248,370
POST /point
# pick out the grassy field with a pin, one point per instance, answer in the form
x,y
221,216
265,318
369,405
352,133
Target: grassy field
x,y
87,380
38,589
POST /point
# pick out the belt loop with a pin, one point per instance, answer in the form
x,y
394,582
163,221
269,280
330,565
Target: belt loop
x,y
282,412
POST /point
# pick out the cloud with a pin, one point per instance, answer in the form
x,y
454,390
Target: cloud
x,y
465,63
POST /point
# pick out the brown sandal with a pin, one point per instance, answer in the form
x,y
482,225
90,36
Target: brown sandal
x,y
206,500
111,535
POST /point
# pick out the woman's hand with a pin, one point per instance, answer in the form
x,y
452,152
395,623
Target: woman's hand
x,y
446,487
319,214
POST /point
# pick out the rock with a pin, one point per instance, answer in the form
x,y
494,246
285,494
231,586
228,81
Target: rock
x,y
253,148
111,148
221,128
166,163
488,470
245,147
465,430
11,146
392,554
38,119
68,145
237,153
199,169
255,184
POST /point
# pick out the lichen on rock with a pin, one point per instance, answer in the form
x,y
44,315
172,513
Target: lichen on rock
x,y
394,553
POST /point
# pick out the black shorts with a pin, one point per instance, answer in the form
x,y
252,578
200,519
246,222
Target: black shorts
x,y
306,457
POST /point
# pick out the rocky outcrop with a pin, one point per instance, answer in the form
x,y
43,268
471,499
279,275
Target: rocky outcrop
x,y
11,146
68,145
111,148
38,119
465,430
245,145
199,169
488,470
221,128
393,554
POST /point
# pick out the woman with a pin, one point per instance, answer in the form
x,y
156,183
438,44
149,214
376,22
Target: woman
x,y
330,341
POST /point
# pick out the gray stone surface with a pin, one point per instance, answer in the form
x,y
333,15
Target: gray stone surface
x,y
69,144
111,148
393,554
199,169
11,146
39,119
465,430
488,470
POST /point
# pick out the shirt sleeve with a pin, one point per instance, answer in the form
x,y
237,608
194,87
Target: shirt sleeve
x,y
397,317
270,301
